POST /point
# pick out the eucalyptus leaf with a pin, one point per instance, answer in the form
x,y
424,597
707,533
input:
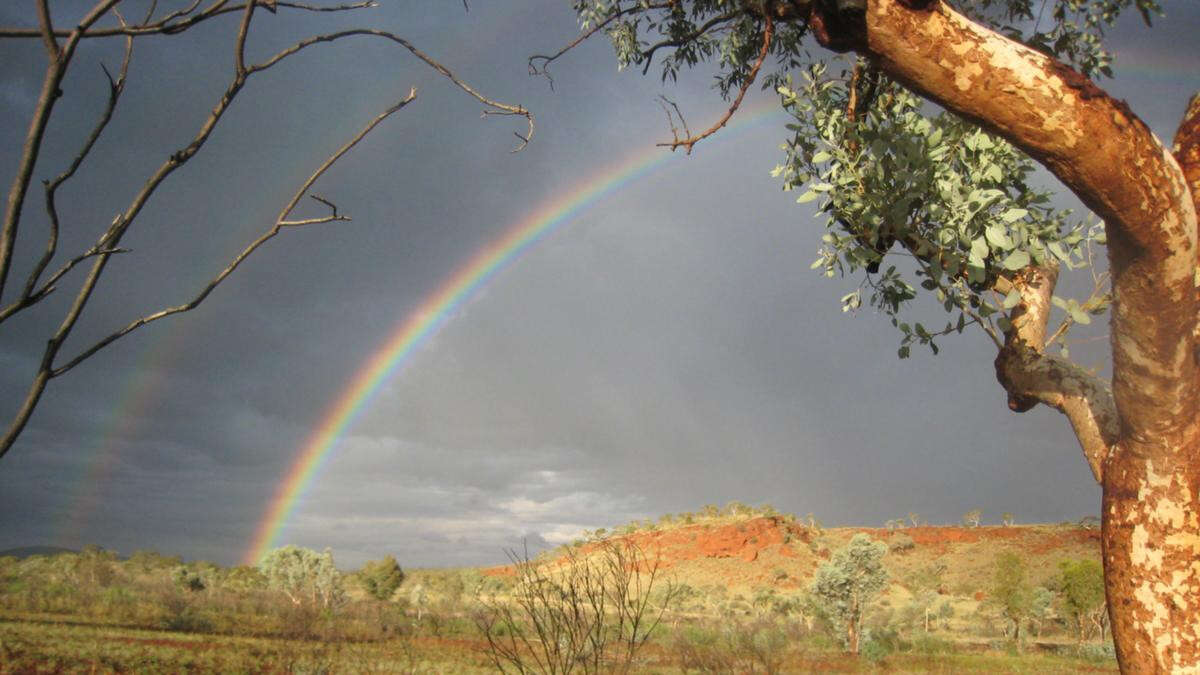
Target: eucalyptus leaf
x,y
1016,260
997,236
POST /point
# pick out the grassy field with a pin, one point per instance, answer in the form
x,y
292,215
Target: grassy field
x,y
732,595
33,646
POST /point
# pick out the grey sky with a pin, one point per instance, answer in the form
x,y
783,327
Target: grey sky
x,y
667,349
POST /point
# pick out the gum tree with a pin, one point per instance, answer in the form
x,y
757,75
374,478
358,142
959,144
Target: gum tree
x,y
947,189
847,584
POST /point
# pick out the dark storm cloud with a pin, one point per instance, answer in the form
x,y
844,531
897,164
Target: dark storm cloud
x,y
668,348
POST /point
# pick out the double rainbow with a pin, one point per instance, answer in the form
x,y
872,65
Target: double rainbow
x,y
439,306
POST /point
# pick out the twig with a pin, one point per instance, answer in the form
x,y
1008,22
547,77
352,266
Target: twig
x,y
497,108
168,25
664,102
545,61
239,52
648,54
691,141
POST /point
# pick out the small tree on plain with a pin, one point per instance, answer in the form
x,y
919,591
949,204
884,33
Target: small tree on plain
x,y
971,518
381,578
1039,607
1081,583
308,579
847,584
1010,593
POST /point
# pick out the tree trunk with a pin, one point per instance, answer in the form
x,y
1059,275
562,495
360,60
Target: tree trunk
x,y
852,634
1142,440
1151,542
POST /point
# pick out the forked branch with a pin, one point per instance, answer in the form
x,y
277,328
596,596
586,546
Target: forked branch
x,y
688,143
1031,376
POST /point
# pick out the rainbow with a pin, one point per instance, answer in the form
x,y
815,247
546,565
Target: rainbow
x,y
440,306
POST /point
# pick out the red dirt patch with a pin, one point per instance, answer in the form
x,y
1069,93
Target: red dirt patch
x,y
745,540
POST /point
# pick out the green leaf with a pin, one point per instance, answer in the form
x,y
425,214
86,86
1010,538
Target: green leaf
x,y
1016,260
1013,215
1012,299
1058,251
1078,314
821,156
807,197
997,236
979,252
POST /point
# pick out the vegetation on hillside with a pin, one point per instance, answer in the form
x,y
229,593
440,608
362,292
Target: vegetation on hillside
x,y
733,589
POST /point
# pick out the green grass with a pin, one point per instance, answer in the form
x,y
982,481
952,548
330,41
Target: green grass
x,y
66,648
50,647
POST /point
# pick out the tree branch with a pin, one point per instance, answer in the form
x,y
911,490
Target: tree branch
x,y
691,141
1088,140
547,60
107,245
281,222
59,58
495,107
173,23
1030,376
648,54
115,88
1187,152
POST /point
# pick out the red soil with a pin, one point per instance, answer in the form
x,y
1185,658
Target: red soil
x,y
745,540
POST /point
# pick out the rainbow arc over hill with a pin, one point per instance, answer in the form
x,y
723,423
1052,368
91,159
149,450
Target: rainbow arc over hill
x,y
440,305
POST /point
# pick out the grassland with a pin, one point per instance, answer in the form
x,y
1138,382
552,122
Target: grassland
x,y
738,603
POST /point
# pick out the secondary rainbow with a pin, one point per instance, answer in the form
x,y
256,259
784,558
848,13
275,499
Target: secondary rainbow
x,y
438,307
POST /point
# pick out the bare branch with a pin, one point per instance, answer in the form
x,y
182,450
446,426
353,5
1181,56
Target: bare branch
x,y
169,25
689,142
46,29
56,67
239,52
115,88
280,223
664,102
495,107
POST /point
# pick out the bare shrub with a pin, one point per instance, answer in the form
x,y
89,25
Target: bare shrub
x,y
590,611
